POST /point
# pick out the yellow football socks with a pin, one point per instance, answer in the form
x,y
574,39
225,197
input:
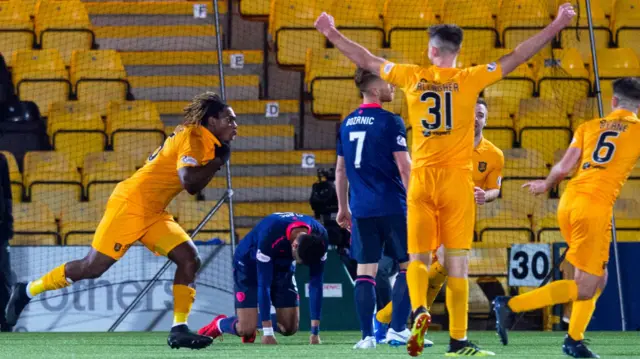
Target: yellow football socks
x,y
183,297
558,292
437,276
384,315
55,279
581,316
418,282
458,306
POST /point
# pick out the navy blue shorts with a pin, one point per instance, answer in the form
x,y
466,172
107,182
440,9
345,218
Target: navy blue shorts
x,y
284,293
373,236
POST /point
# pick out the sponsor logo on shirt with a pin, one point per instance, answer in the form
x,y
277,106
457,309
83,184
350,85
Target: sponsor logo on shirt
x,y
401,141
388,67
189,160
492,67
262,257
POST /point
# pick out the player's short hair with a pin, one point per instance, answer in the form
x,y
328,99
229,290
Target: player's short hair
x,y
627,90
363,78
481,101
311,248
446,37
202,107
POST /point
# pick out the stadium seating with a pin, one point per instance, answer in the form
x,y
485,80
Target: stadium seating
x,y
359,20
291,27
263,189
16,29
536,112
50,177
479,26
76,133
255,8
575,37
614,63
625,21
34,224
520,19
191,213
134,127
79,221
63,25
501,137
547,141
40,76
519,85
102,170
98,76
503,232
406,20
523,159
14,176
563,75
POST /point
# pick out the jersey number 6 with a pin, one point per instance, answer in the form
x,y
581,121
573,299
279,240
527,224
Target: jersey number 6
x,y
609,147
437,111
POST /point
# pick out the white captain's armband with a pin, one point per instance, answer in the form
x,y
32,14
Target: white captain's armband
x,y
262,257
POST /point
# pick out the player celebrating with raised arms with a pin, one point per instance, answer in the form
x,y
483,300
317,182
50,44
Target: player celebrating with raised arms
x,y
440,201
373,167
488,162
606,149
264,266
188,160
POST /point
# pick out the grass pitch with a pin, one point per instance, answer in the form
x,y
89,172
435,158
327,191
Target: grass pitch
x,y
336,345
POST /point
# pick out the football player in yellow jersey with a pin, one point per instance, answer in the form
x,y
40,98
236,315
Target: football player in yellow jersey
x,y
440,206
488,162
606,150
188,160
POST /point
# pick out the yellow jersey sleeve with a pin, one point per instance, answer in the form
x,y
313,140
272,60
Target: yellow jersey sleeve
x,y
193,150
494,178
482,76
401,75
578,138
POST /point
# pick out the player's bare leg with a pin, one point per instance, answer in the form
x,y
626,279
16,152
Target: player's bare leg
x,y
186,258
288,320
93,265
418,282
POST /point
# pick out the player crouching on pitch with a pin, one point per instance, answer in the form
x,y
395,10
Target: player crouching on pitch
x,y
264,266
187,160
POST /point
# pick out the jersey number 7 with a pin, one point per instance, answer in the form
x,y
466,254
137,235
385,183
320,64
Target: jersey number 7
x,y
358,136
438,110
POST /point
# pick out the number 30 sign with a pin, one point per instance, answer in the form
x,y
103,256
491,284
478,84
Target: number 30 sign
x,y
529,264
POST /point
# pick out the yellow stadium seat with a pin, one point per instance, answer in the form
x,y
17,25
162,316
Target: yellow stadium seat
x,y
327,63
628,235
523,158
412,42
630,190
16,29
183,196
139,139
78,223
520,202
334,97
479,25
518,85
546,141
99,76
549,231
564,77
587,109
63,25
34,224
104,169
536,112
521,13
133,111
72,107
402,15
242,232
14,176
51,177
255,8
626,14
291,26
501,137
191,213
487,261
575,37
40,76
614,63
359,20
77,134
501,112
501,233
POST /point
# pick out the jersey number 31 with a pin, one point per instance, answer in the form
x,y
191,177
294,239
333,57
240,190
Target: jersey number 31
x,y
441,108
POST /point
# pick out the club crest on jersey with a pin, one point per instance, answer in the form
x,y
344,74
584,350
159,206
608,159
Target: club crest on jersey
x,y
189,160
482,166
492,67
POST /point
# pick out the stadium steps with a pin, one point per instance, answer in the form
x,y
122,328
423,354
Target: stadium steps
x,y
120,13
185,63
247,215
184,88
249,112
263,189
254,163
157,38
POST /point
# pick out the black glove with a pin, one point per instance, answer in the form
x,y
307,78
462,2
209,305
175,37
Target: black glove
x,y
223,152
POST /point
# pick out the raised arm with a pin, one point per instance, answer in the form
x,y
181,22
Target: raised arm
x,y
360,56
534,44
558,172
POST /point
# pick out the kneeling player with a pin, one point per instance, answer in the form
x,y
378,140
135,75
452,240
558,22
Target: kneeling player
x,y
263,273
606,149
188,159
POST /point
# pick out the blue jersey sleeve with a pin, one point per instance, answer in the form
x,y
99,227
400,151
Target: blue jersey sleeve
x,y
316,274
264,266
397,135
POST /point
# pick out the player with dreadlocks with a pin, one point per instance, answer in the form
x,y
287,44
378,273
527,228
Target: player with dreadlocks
x,y
187,160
